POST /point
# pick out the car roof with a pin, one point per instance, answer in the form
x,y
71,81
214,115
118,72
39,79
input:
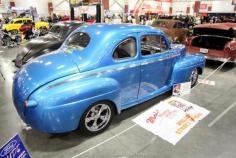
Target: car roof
x,y
22,19
170,22
222,26
71,23
118,29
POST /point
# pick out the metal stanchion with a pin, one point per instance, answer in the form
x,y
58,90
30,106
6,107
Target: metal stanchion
x,y
2,75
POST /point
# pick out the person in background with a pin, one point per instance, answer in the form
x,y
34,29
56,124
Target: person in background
x,y
129,18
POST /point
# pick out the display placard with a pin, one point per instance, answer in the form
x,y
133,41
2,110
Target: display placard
x,y
171,119
14,148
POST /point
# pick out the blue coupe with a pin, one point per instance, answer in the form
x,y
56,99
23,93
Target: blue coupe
x,y
99,71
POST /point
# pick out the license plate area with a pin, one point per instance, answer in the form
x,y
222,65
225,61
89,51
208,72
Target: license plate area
x,y
203,50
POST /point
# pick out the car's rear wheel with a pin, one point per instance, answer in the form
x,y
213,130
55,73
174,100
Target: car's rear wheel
x,y
7,41
14,32
194,77
96,118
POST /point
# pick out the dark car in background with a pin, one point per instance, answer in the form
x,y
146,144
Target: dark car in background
x,y
48,43
175,29
215,41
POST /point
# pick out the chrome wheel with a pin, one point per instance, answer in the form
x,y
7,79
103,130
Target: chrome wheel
x,y
14,32
194,77
98,117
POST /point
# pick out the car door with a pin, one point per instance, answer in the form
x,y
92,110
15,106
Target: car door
x,y
126,66
17,24
157,62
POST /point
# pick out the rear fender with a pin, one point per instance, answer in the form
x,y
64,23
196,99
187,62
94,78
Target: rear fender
x,y
66,102
183,68
79,90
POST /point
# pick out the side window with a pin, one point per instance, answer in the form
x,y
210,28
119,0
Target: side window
x,y
178,25
125,49
28,21
18,22
152,44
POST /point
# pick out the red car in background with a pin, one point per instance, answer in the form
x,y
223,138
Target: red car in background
x,y
215,41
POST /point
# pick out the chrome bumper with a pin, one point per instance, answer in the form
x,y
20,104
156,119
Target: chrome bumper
x,y
219,59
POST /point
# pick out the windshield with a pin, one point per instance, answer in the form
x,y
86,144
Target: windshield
x,y
60,31
78,40
216,32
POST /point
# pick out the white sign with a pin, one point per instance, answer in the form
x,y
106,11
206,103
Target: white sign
x,y
203,50
181,89
208,82
171,119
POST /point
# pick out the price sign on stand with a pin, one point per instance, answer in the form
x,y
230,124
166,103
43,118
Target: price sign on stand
x,y
181,89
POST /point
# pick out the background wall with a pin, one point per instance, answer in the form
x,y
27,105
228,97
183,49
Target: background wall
x,y
60,6
41,5
117,6
219,6
4,6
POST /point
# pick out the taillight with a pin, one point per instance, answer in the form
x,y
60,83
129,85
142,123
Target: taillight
x,y
187,41
227,51
30,103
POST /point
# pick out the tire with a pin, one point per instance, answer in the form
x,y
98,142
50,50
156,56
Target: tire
x,y
7,41
43,31
194,77
93,114
14,32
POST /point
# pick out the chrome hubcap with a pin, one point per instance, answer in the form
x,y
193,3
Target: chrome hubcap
x,y
97,117
193,77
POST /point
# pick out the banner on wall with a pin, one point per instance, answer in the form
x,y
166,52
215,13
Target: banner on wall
x,y
171,119
197,6
203,6
164,0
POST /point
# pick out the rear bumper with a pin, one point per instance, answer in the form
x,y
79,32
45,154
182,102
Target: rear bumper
x,y
218,59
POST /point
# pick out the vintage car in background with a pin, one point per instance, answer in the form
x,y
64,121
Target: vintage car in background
x,y
100,70
214,41
15,25
46,44
173,28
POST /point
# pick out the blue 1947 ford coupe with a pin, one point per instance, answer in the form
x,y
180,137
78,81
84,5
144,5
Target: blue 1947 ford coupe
x,y
100,70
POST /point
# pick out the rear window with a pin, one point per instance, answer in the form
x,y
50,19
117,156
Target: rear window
x,y
62,31
161,24
18,22
217,32
78,40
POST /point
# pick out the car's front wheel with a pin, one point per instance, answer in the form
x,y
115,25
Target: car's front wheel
x,y
194,77
96,118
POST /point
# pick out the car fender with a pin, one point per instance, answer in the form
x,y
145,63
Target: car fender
x,y
184,66
68,101
38,25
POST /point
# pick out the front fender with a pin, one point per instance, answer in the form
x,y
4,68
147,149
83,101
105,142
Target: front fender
x,y
59,108
184,66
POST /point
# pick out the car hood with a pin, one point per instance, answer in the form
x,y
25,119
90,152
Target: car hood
x,y
34,47
43,70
